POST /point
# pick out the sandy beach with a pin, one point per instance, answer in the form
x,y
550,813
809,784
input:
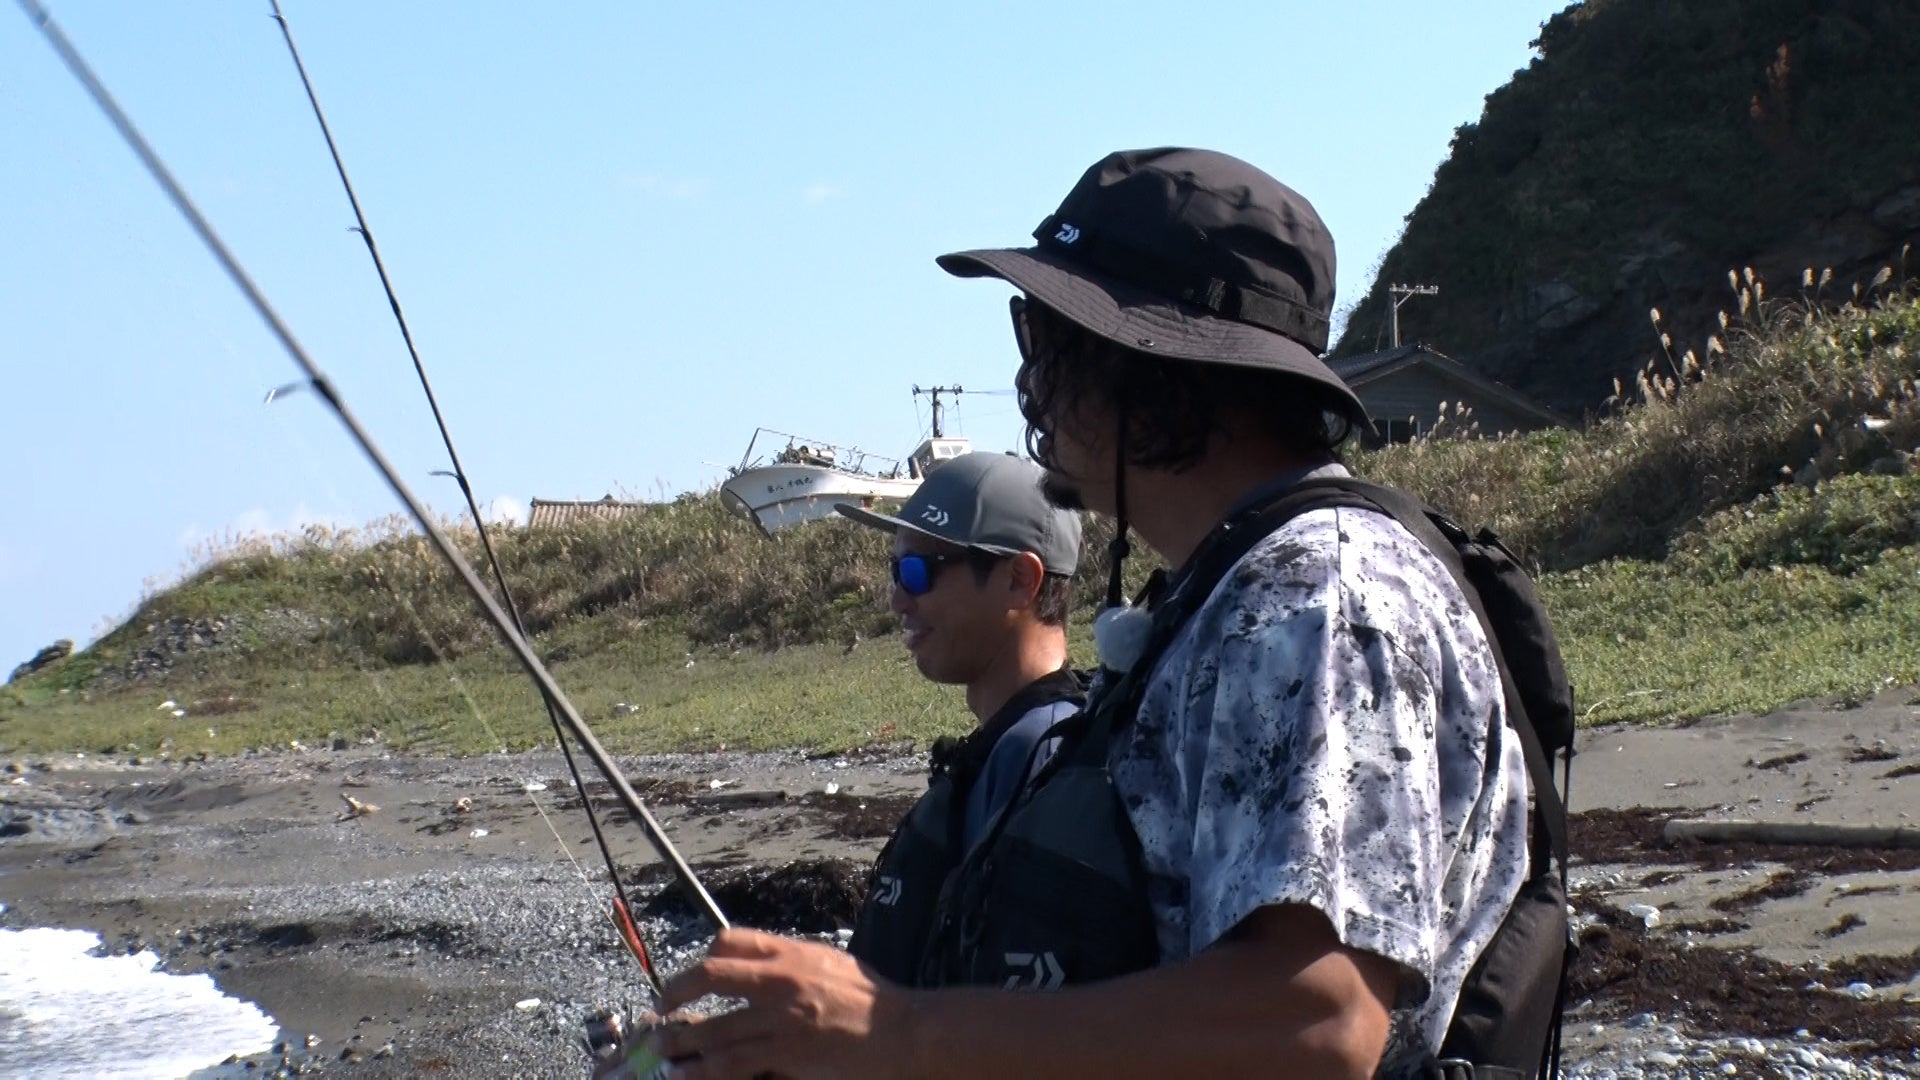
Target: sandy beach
x,y
449,933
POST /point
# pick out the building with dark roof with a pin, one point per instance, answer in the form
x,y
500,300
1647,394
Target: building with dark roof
x,y
1404,390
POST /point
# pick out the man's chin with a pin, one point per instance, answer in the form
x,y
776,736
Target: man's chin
x,y
919,661
1062,492
932,670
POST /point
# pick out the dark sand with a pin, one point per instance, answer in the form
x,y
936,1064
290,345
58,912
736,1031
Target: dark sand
x,y
402,944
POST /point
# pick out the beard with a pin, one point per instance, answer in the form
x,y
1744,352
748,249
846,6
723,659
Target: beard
x,y
1062,492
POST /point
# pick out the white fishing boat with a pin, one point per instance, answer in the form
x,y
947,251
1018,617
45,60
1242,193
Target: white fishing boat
x,y
805,479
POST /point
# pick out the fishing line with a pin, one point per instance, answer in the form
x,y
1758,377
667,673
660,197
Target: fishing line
x,y
320,384
994,414
196,548
444,662
527,782
210,547
368,540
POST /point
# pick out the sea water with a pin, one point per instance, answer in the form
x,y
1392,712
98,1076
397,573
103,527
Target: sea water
x,y
67,1013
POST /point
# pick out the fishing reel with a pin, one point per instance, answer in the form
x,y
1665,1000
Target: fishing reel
x,y
617,1044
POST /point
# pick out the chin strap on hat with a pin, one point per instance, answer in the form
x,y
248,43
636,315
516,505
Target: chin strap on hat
x,y
1118,549
1120,629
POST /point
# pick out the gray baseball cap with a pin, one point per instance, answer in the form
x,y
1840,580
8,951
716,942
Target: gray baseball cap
x,y
988,502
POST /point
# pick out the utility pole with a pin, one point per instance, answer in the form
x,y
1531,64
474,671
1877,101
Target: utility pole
x,y
935,392
1402,294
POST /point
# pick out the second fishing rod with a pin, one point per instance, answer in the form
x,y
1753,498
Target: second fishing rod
x,y
622,906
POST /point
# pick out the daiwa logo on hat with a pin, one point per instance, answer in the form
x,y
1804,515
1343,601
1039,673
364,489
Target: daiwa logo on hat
x,y
1068,234
990,503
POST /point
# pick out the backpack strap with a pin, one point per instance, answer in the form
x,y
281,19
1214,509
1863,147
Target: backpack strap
x,y
1446,540
1232,539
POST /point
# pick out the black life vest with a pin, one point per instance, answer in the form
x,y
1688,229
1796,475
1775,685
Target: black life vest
x,y
1057,892
891,931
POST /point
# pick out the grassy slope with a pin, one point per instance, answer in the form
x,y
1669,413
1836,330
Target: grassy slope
x,y
1644,642
810,695
1686,578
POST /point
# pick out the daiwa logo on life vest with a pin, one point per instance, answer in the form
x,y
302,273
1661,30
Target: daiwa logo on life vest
x,y
887,890
935,515
1032,971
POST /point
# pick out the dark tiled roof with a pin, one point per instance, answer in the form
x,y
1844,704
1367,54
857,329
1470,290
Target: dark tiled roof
x,y
1350,368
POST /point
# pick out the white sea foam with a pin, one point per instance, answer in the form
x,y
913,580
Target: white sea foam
x,y
66,1013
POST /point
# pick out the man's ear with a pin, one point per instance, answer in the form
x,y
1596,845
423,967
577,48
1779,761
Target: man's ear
x,y
1025,574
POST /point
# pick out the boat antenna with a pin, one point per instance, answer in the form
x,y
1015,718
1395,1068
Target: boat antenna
x,y
934,392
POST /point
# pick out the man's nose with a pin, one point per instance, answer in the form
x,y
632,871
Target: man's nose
x,y
899,601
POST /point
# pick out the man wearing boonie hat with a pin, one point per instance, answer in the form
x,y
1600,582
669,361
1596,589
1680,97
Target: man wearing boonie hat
x,y
982,565
1287,830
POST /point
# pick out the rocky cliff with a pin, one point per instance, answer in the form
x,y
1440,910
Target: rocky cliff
x,y
1648,149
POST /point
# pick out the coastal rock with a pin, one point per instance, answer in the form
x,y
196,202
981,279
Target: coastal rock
x,y
53,653
1583,196
1556,305
1899,210
166,642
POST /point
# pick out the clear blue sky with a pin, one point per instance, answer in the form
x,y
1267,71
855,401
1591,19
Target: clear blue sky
x,y
625,234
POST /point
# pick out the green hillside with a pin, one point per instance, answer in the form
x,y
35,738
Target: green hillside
x,y
1739,535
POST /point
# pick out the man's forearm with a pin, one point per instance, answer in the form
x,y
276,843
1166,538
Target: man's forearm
x,y
1246,1007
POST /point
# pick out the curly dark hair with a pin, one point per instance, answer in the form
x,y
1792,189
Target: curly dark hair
x,y
1172,406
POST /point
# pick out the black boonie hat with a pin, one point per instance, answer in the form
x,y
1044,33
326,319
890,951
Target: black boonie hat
x,y
1187,254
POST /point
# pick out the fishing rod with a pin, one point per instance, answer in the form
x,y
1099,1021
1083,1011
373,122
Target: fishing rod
x,y
317,381
623,920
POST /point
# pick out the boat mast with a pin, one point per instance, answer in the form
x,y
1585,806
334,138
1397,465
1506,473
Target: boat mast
x,y
934,392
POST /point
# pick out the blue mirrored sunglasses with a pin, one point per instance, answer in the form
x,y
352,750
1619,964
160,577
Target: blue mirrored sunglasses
x,y
915,573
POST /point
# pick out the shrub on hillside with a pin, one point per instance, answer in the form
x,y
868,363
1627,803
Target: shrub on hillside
x,y
1842,524
691,562
1789,392
821,582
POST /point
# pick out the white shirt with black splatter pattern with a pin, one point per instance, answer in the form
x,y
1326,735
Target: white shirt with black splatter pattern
x,y
1317,734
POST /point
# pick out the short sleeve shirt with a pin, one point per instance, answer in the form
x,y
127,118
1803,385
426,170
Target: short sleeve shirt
x,y
1329,729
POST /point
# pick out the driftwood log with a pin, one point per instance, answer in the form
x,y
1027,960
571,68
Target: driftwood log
x,y
738,798
1786,832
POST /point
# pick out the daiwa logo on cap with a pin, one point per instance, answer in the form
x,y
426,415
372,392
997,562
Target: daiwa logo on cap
x,y
1068,233
935,515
